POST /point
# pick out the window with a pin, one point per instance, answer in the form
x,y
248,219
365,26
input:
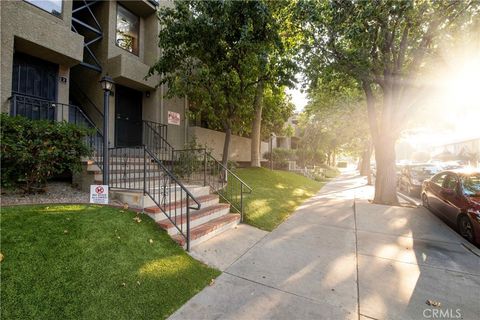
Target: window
x,y
51,6
471,185
438,179
127,30
451,182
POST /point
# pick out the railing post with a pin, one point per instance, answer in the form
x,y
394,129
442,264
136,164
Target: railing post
x,y
144,170
14,105
241,202
204,167
188,223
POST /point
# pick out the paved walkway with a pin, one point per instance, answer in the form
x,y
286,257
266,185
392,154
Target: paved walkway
x,y
340,257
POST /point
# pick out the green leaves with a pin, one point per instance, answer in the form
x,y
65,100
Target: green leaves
x,y
215,52
33,151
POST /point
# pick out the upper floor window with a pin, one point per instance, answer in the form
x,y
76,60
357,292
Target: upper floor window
x,y
127,30
51,6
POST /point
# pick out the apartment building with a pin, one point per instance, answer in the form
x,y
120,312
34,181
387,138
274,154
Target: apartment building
x,y
54,53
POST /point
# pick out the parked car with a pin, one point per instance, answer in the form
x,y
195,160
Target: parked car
x,y
455,194
451,165
413,175
398,171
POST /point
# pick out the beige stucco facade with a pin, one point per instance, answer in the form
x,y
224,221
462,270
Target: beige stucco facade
x,y
26,28
30,30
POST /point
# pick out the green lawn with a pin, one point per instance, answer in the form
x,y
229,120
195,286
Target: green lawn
x,y
275,195
90,262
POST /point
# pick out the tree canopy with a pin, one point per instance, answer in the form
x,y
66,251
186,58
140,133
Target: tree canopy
x,y
385,46
216,52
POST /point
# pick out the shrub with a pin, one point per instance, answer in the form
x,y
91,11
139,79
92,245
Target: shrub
x,y
281,156
330,172
34,150
188,161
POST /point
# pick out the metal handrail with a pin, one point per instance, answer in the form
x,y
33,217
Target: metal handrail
x,y
129,172
199,166
85,97
154,138
230,172
24,105
174,178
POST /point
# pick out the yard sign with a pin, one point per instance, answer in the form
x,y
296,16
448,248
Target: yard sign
x,y
99,194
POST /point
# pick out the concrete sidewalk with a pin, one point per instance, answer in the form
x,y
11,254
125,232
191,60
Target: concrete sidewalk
x,y
334,260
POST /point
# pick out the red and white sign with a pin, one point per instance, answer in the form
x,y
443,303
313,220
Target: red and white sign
x,y
174,118
99,194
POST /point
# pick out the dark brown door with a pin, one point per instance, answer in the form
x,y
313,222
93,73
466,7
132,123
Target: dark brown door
x,y
128,117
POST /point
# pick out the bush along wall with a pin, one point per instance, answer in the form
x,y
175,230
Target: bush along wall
x,y
34,150
280,157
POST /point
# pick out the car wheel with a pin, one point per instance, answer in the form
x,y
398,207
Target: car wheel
x,y
465,228
425,201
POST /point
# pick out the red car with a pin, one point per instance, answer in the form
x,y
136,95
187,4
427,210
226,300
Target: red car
x,y
455,195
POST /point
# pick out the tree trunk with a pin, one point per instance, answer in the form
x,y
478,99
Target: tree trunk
x,y
256,125
364,164
385,181
226,145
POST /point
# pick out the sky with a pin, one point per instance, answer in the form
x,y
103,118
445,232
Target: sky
x,y
299,98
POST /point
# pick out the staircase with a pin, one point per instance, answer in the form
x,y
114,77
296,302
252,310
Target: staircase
x,y
185,192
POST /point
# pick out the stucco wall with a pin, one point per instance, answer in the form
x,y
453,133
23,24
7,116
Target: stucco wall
x,y
31,30
240,147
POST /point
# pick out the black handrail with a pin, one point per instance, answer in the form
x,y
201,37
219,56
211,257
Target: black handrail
x,y
199,166
154,138
41,109
129,169
93,111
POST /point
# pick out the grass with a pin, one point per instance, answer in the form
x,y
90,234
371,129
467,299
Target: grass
x,y
276,194
91,262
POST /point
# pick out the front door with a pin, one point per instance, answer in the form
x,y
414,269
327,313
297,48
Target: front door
x,y
128,117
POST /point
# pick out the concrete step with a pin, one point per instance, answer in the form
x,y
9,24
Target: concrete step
x,y
178,208
197,217
128,175
134,198
209,229
133,183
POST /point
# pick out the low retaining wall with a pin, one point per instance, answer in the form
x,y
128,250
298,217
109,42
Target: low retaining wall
x,y
240,147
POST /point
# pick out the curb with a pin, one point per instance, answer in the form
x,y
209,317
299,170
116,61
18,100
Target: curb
x,y
409,199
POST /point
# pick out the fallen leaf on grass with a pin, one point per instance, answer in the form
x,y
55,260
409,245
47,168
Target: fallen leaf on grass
x,y
137,219
65,231
212,282
151,241
138,282
123,284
